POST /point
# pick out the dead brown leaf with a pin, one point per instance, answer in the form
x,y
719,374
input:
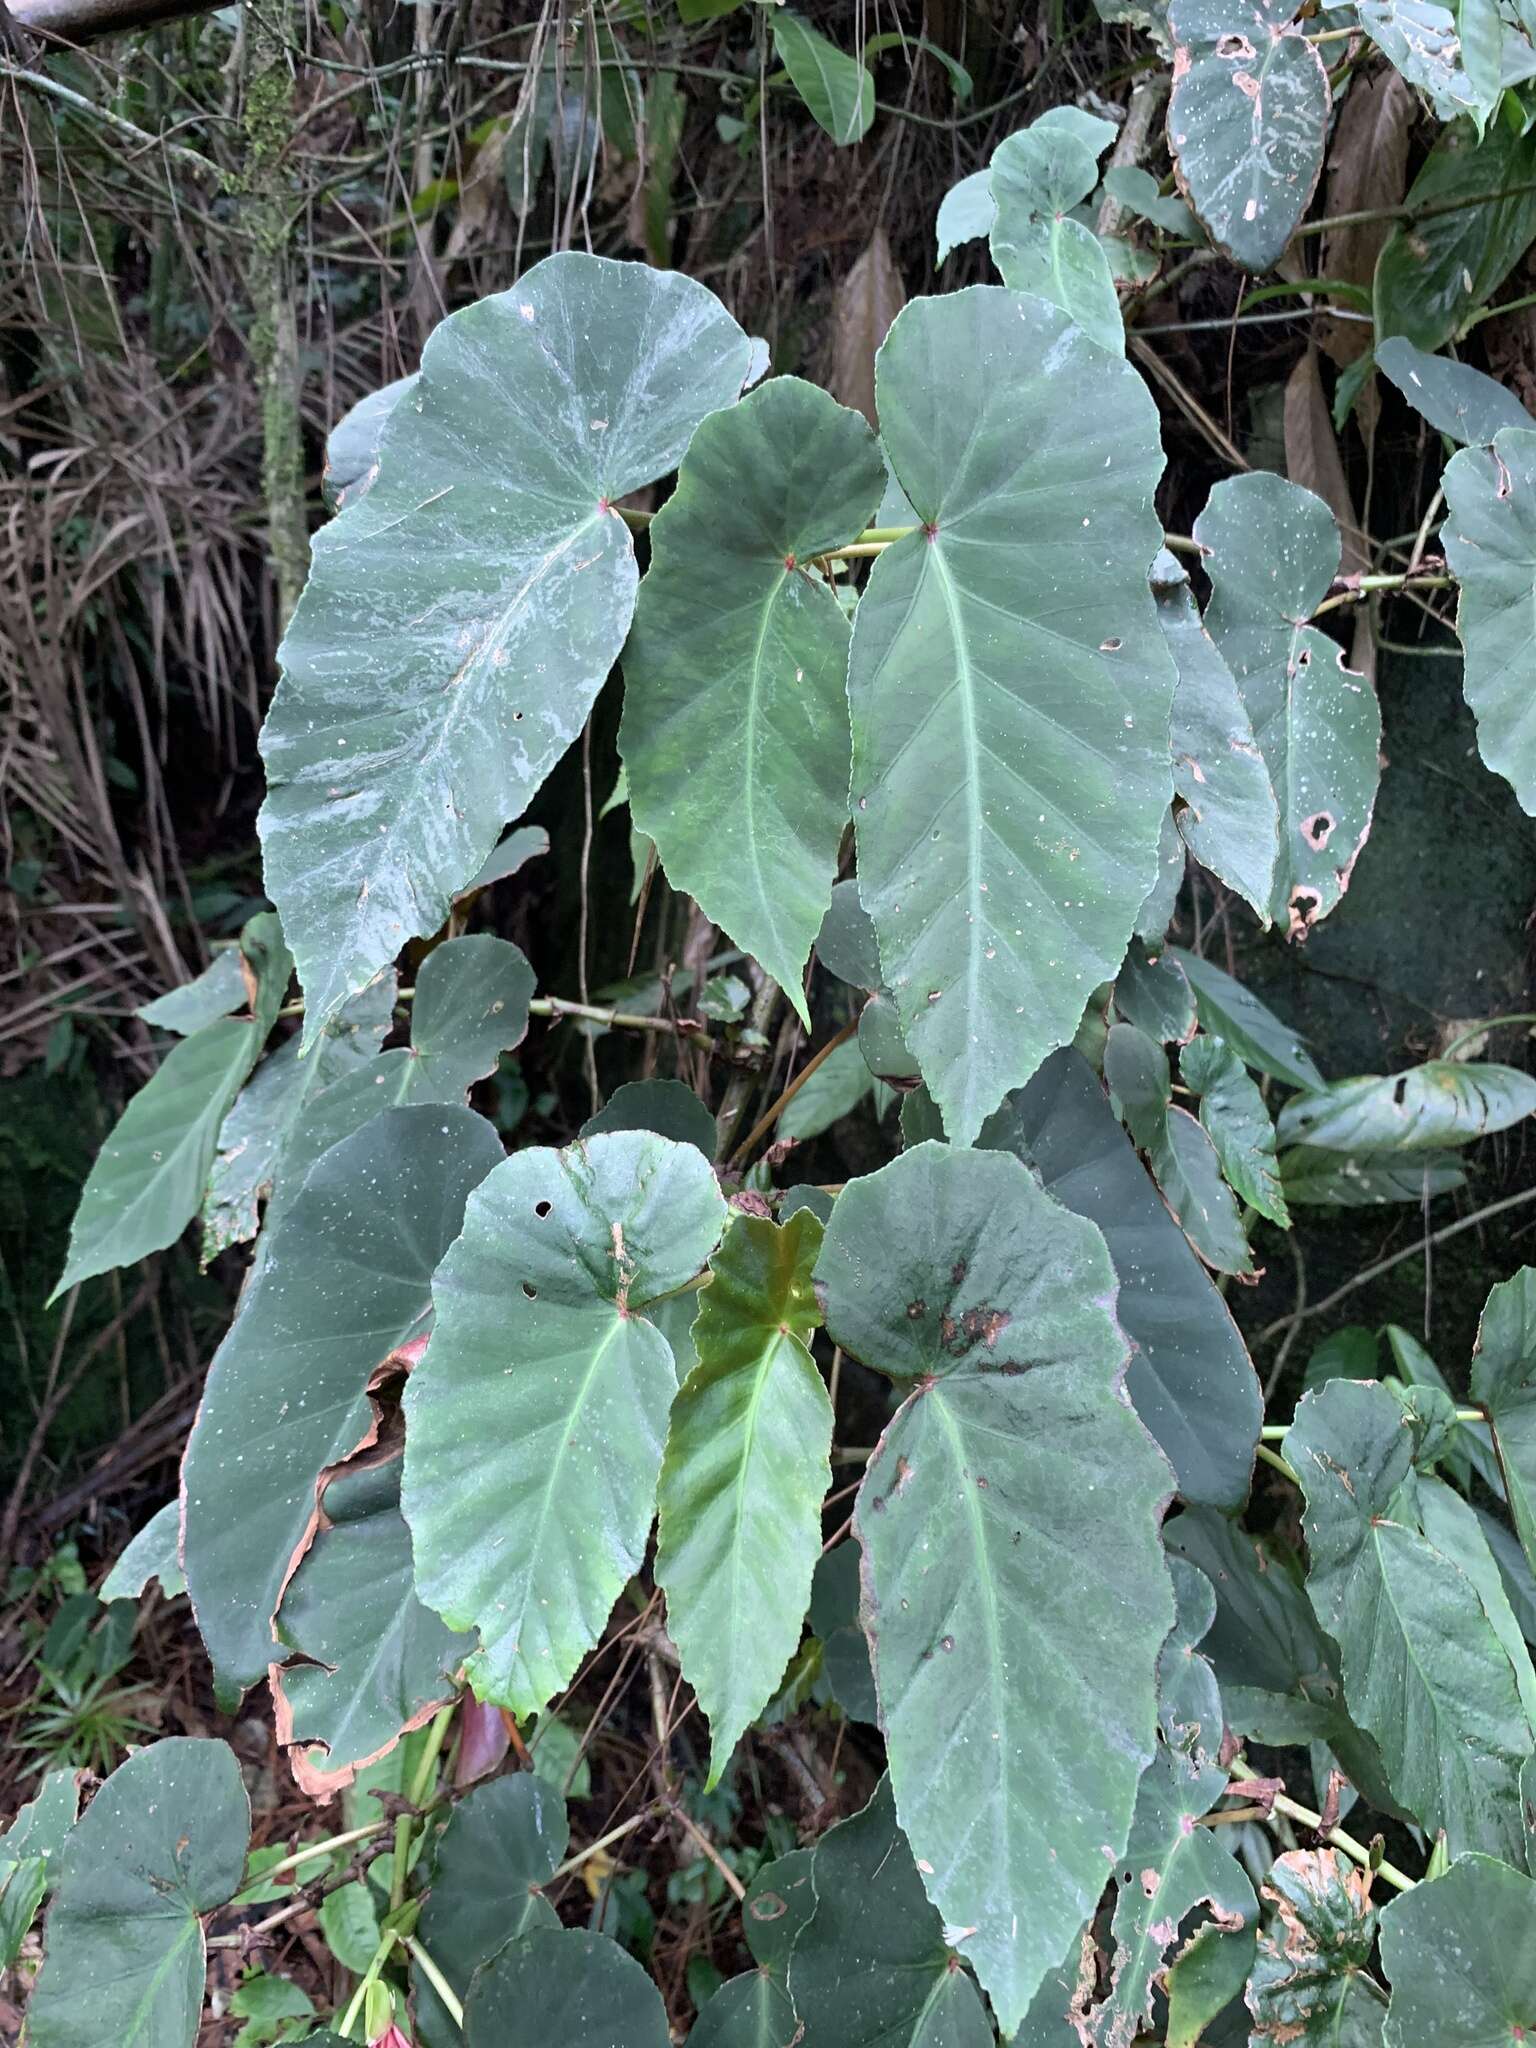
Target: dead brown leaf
x,y
865,304
1367,169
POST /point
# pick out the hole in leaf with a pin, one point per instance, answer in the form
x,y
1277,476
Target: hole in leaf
x,y
531,1292
542,1208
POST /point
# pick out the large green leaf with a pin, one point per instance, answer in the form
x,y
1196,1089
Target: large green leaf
x,y
1272,550
1460,1959
346,1281
1247,122
534,1425
744,1475
1190,1378
1015,1626
1424,1672
1258,1037
1504,1381
838,91
1434,271
735,732
582,1987
1037,176
1442,1103
1457,1533
1180,1152
1310,1982
1234,1117
1227,816
460,619
500,1844
162,1843
381,1662
257,1136
1171,1865
1490,544
147,1182
873,1967
751,2011
1010,689
1456,399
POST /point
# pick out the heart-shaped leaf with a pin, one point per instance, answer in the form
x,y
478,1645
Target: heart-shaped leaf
x,y
460,619
984,1551
534,1425
1037,177
1010,689
734,676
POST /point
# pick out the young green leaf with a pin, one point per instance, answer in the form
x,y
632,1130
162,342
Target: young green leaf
x,y
838,91
1311,1982
1424,1673
1258,1037
1272,550
1228,816
161,1844
1181,1153
535,1422
460,619
985,1552
1490,544
1504,1382
744,1475
873,1968
1037,177
1155,996
147,1182
1190,1378
1010,690
1459,1957
346,1281
1234,1118
734,676
378,1663
1247,122
500,1844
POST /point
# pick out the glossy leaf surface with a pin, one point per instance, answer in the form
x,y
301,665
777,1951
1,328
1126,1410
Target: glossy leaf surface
x,y
535,1423
1259,1038
346,1280
735,732
1450,262
1010,691
984,1553
461,618
1442,1103
838,91
744,1475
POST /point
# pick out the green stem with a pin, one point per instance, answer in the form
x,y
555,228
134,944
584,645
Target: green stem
x,y
1369,216
1493,312
400,1862
437,1735
313,1849
1274,1458
436,1979
1360,586
1273,1432
1357,1851
355,2003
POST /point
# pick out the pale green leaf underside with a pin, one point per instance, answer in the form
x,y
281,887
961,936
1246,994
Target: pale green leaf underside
x,y
346,1279
1010,691
1454,398
162,1842
1016,1626
1247,122
735,732
1490,545
1228,818
535,1423
745,1472
1272,550
1424,1672
461,618
1443,1102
